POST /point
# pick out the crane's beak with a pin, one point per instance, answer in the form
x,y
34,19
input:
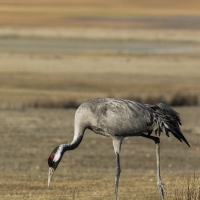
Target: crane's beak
x,y
51,172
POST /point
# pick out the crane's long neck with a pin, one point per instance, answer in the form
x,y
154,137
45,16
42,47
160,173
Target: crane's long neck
x,y
74,144
78,136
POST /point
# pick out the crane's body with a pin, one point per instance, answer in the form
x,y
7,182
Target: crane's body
x,y
114,117
118,119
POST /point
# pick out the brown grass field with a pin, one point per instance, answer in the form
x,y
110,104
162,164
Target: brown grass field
x,y
56,54
27,138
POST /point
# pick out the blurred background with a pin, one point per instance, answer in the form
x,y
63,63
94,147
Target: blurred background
x,y
60,53
56,54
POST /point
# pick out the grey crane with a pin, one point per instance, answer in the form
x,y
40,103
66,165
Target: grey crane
x,y
119,119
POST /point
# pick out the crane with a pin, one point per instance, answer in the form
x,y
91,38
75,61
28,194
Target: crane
x,y
119,119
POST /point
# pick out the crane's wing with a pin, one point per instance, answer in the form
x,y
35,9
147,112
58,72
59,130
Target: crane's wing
x,y
118,117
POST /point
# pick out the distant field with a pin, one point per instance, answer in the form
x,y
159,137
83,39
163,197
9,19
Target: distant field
x,y
92,13
53,81
60,53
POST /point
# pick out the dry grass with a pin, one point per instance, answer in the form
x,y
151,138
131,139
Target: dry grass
x,y
185,189
27,138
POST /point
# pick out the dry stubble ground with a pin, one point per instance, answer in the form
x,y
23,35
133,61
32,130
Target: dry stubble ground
x,y
27,138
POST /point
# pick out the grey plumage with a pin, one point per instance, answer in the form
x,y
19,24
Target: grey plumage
x,y
118,119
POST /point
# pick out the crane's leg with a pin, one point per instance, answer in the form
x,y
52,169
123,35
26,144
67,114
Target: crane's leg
x,y
160,184
117,147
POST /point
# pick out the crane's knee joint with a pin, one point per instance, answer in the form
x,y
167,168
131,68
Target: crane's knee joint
x,y
157,140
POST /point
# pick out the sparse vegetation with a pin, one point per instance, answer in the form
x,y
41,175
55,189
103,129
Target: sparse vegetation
x,y
185,189
32,85
27,138
176,100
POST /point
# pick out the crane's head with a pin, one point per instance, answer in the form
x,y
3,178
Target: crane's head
x,y
53,161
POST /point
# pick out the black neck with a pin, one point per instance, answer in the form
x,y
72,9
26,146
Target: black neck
x,y
73,145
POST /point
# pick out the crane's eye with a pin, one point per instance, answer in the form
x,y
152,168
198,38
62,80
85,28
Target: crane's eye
x,y
50,160
51,156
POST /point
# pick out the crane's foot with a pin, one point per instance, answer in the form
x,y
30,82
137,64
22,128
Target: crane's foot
x,y
161,190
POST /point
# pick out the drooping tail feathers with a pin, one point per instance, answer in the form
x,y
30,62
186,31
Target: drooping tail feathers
x,y
167,120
